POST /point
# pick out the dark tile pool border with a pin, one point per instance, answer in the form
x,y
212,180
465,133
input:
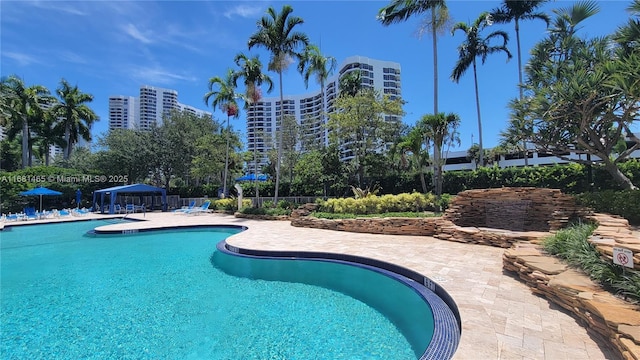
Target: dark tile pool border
x,y
447,322
163,228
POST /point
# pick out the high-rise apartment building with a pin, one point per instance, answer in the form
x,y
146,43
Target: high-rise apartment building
x,y
122,112
310,110
128,112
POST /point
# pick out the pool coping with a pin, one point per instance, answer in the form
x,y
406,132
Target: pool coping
x,y
447,331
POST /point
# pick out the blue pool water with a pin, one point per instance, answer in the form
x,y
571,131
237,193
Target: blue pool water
x,y
157,295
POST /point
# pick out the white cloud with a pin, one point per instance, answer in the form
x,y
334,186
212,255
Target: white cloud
x,y
135,33
72,57
159,75
245,11
21,58
66,7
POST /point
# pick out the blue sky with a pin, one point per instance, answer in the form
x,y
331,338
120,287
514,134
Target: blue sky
x,y
113,47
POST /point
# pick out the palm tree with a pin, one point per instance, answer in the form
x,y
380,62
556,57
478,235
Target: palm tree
x,y
224,98
312,62
401,10
251,71
516,10
412,143
275,33
74,116
477,46
48,134
441,129
23,104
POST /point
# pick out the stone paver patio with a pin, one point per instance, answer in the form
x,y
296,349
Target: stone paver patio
x,y
501,318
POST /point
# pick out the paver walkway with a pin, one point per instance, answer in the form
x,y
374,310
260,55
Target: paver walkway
x,y
501,319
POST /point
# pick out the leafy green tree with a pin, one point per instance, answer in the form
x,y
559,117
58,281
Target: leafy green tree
x,y
442,131
313,63
175,145
276,34
309,174
125,152
477,46
251,72
333,170
289,137
10,155
401,10
350,84
24,103
74,115
359,124
583,96
224,98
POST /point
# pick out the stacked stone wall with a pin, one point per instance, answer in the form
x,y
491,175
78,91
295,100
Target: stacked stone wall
x,y
517,209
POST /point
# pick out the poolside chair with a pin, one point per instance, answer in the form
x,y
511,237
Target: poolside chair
x,y
30,213
64,213
129,209
192,205
204,208
13,217
80,212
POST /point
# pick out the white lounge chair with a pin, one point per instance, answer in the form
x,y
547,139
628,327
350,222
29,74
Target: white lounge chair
x,y
204,208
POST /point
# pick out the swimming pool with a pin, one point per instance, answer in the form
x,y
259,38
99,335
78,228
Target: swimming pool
x,y
158,295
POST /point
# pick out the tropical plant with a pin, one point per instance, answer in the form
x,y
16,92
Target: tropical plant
x,y
412,143
628,35
437,23
313,62
583,95
477,46
276,34
224,98
442,131
74,115
23,103
251,72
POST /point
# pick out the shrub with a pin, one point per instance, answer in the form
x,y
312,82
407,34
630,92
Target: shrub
x,y
372,204
332,216
265,211
572,245
230,204
625,203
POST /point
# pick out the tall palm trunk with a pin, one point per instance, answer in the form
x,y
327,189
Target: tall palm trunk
x,y
475,79
279,140
67,138
255,155
226,160
25,142
524,141
434,38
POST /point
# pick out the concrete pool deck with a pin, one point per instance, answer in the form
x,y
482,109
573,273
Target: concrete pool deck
x,y
501,318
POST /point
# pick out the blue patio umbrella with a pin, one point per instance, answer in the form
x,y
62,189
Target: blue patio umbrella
x,y
40,191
